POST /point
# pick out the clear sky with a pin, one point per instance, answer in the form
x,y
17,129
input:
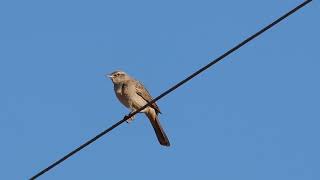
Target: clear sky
x,y
255,115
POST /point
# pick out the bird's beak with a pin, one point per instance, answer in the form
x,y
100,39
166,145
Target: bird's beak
x,y
109,76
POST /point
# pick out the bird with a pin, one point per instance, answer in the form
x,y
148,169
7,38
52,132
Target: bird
x,y
133,95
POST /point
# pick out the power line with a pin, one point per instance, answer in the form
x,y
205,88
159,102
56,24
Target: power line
x,y
172,88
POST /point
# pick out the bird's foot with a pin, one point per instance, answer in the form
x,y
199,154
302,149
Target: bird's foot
x,y
129,119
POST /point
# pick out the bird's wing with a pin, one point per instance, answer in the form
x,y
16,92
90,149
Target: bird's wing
x,y
143,92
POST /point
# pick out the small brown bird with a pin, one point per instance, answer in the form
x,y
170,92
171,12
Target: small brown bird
x,y
132,94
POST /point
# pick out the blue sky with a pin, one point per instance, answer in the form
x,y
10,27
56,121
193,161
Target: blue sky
x,y
253,116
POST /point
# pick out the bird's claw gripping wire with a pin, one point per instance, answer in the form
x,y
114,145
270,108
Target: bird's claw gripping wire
x,y
129,119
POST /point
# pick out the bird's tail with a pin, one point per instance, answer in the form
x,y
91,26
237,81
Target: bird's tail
x,y
161,135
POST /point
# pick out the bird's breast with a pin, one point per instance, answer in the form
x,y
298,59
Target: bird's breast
x,y
122,94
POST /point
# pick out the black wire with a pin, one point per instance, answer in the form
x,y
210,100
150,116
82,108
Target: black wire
x,y
171,89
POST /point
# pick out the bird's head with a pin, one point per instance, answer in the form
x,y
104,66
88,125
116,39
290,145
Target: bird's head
x,y
118,76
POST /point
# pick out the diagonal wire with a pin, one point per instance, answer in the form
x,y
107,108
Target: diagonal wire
x,y
171,89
